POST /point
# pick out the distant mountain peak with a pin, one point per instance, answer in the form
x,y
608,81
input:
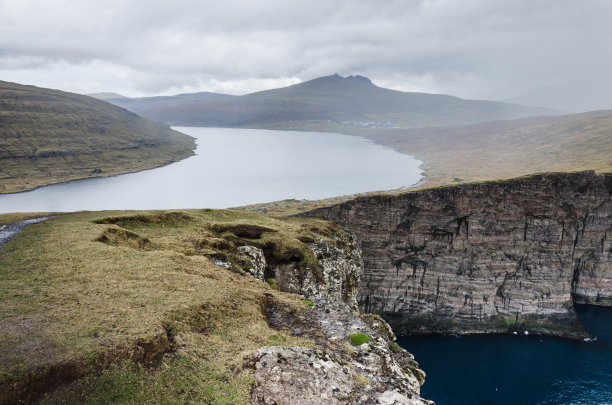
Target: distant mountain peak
x,y
359,78
336,79
349,78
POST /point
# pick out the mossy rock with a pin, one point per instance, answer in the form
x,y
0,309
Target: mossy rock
x,y
395,348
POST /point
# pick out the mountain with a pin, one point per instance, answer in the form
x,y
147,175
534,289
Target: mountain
x,y
333,103
50,136
141,105
105,95
506,149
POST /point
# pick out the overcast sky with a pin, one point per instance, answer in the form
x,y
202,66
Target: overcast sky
x,y
491,49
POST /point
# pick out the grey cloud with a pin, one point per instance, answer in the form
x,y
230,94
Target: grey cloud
x,y
472,48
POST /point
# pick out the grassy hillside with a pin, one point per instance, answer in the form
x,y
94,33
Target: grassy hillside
x,y
507,149
49,136
142,105
333,103
127,307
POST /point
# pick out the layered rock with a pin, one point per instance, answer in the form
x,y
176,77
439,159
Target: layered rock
x,y
485,257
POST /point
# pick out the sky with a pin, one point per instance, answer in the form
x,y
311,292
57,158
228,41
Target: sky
x,y
479,49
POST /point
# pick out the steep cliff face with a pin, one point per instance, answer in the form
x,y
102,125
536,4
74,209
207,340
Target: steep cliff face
x,y
335,274
485,257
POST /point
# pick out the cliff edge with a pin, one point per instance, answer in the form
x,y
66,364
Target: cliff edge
x,y
193,306
485,257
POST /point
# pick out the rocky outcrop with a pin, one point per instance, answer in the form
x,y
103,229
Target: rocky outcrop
x,y
485,257
336,372
335,274
257,259
333,369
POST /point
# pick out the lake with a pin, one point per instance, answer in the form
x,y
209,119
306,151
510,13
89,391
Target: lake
x,y
236,167
509,369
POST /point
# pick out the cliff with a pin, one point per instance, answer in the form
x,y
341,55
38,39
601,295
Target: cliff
x,y
172,306
485,257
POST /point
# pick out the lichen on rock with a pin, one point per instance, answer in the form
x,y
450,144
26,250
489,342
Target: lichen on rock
x,y
335,372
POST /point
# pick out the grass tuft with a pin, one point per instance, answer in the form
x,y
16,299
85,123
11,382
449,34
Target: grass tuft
x,y
358,339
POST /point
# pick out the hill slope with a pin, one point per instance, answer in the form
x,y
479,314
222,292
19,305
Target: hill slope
x,y
49,136
141,105
334,103
506,149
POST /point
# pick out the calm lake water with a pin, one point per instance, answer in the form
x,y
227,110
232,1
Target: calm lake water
x,y
508,369
236,167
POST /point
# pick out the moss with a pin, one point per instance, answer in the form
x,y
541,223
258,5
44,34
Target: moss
x,y
510,325
360,380
277,340
395,348
358,339
416,372
376,322
308,303
272,284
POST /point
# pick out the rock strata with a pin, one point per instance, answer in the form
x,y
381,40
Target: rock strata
x,y
485,257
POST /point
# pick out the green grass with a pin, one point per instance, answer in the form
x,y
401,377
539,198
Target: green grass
x,y
84,289
358,339
49,136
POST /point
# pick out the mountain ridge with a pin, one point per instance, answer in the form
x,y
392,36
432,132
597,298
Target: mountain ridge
x,y
334,101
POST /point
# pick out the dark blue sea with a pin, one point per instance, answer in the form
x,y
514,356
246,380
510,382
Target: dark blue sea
x,y
518,369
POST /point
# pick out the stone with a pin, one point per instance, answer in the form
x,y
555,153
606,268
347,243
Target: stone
x,y
334,372
258,260
339,263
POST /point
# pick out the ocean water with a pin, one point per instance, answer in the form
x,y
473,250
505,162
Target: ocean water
x,y
236,167
518,369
